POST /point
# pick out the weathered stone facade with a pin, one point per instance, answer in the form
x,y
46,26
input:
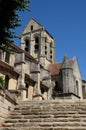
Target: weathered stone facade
x,y
32,69
7,103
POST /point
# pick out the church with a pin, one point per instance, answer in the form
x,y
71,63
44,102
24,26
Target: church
x,y
32,73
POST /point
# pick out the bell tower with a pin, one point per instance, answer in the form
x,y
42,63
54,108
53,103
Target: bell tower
x,y
38,42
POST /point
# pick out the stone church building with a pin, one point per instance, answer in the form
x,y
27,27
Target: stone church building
x,y
32,71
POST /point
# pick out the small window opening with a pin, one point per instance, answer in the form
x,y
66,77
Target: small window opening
x,y
26,90
27,45
31,27
77,91
36,40
36,44
6,81
50,51
57,87
36,47
26,42
46,52
50,57
7,57
45,47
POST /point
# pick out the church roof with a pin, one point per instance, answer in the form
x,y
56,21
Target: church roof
x,y
37,22
8,68
26,30
55,68
19,50
29,79
66,63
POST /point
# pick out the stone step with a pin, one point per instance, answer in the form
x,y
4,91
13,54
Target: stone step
x,y
71,113
63,119
51,105
47,115
46,124
47,128
51,108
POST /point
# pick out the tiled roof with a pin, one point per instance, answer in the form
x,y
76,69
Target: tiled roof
x,y
22,51
7,67
28,78
55,68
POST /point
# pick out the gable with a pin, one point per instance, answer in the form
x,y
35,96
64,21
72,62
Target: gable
x,y
76,69
32,25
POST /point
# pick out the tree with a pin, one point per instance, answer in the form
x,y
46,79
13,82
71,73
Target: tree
x,y
9,19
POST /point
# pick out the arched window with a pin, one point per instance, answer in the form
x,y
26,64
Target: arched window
x,y
27,45
6,81
26,90
36,47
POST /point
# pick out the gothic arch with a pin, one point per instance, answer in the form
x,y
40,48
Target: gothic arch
x,y
36,35
37,41
27,44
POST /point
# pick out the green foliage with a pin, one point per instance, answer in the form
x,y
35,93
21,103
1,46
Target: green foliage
x,y
9,19
2,82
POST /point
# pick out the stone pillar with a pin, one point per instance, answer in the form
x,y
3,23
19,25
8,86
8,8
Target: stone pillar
x,y
53,55
30,92
22,78
37,93
45,95
49,85
48,50
50,93
42,44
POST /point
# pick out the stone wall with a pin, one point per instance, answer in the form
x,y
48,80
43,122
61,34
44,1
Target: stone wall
x,y
84,89
7,103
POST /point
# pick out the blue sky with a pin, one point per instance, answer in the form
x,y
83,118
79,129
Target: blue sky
x,y
66,21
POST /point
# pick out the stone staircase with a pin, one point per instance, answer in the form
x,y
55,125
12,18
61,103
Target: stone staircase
x,y
47,115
